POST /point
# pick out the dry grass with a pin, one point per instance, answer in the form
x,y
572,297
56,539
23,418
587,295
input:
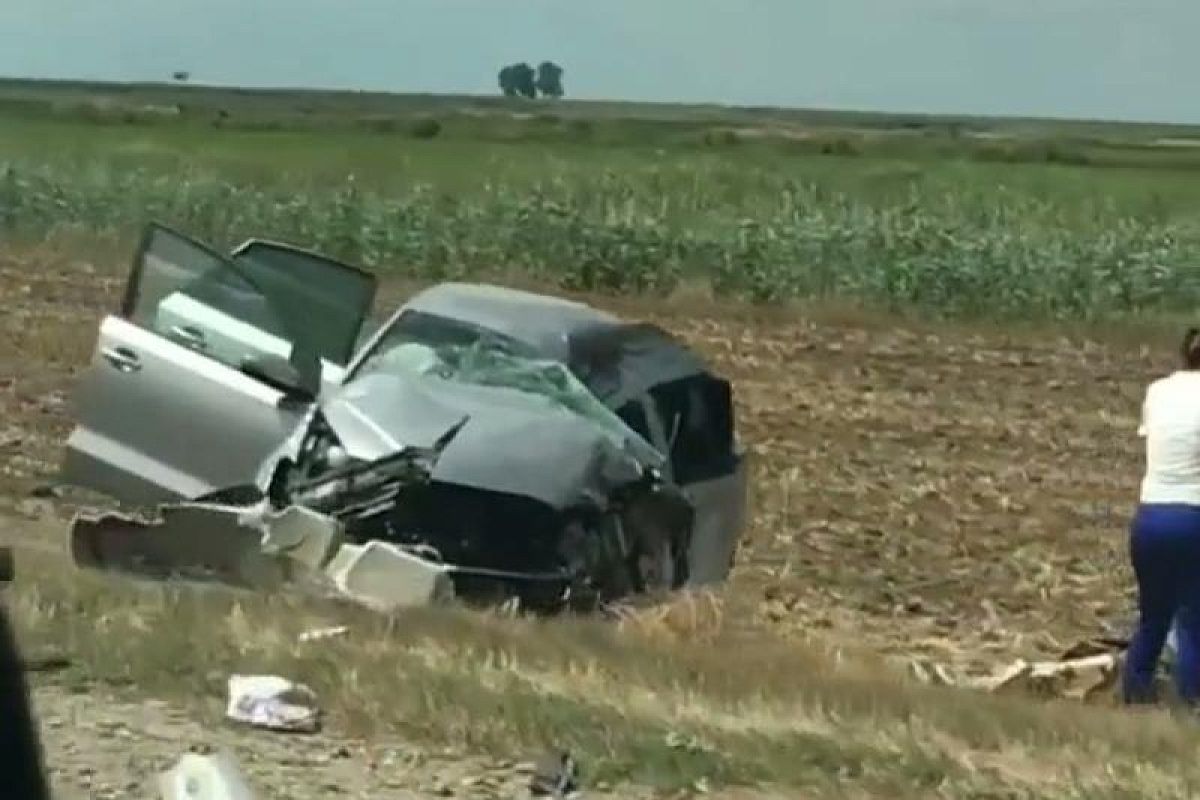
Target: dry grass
x,y
726,709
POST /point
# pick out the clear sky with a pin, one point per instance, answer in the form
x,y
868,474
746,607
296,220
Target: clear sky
x,y
1114,59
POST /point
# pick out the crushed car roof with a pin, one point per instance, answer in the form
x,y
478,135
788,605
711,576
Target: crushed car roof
x,y
617,358
541,321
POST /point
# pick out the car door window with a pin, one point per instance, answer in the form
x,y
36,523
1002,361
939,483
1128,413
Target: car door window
x,y
189,293
330,298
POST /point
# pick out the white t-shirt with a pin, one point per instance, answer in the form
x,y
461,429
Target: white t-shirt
x,y
1171,427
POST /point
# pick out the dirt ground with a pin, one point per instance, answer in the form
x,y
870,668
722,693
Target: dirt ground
x,y
960,495
100,747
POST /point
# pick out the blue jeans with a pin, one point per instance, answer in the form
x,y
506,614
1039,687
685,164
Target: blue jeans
x,y
1164,545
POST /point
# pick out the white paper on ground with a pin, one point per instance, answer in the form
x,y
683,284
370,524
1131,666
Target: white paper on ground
x,y
274,703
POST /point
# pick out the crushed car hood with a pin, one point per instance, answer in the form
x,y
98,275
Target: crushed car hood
x,y
514,441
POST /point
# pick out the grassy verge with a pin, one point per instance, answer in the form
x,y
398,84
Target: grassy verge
x,y
672,702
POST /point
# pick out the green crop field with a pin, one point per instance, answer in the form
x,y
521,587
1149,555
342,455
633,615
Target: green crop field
x,y
1046,219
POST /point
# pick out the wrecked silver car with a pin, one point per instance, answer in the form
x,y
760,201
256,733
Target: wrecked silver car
x,y
540,446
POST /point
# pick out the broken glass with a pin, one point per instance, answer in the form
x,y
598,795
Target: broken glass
x,y
485,362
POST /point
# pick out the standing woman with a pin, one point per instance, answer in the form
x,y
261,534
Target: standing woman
x,y
1164,542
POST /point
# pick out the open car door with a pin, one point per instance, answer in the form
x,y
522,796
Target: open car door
x,y
332,299
210,363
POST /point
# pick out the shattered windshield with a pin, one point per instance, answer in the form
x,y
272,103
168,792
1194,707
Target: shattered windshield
x,y
431,346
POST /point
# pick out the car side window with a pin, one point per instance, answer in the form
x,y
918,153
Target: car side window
x,y
697,414
194,296
332,298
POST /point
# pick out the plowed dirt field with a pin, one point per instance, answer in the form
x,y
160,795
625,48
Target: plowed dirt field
x,y
958,493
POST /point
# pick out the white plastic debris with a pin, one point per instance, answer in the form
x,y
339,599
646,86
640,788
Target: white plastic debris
x,y
273,703
302,534
384,577
199,777
320,634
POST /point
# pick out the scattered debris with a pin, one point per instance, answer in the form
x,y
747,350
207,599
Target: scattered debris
x,y
686,742
321,634
191,541
384,577
934,674
205,777
301,535
273,703
1099,645
261,549
35,508
555,775
1084,672
1076,679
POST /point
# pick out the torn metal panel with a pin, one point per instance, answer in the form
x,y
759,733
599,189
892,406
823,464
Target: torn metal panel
x,y
257,547
245,546
201,542
318,474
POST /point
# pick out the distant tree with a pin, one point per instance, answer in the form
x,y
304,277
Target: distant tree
x,y
181,75
518,80
549,79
